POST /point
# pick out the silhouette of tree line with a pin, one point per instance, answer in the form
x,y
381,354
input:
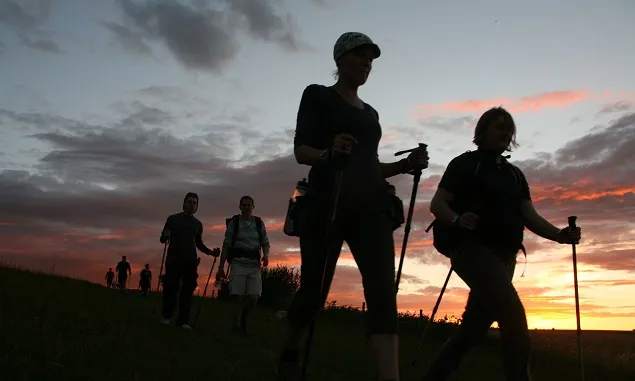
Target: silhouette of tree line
x,y
280,283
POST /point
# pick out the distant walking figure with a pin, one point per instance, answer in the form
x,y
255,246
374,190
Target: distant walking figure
x,y
245,237
145,280
184,233
110,277
123,270
483,204
337,135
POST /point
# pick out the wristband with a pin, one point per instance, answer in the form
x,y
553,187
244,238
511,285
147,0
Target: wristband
x,y
455,220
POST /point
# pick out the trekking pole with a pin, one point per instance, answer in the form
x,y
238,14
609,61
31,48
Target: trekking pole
x,y
431,319
572,226
411,209
329,225
165,249
198,311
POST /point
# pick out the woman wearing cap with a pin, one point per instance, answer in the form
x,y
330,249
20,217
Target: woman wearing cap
x,y
336,130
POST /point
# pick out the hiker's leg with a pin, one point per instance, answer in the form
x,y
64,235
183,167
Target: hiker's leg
x,y
188,285
237,290
370,238
313,249
516,341
123,280
253,292
489,274
171,280
475,323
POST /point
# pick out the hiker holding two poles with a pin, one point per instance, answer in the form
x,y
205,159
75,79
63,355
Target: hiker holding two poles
x,y
184,232
333,123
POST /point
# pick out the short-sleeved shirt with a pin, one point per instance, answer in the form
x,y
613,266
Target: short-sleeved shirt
x,y
322,114
123,267
145,276
185,237
486,184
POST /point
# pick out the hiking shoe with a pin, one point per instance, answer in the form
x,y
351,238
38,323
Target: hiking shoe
x,y
164,321
289,371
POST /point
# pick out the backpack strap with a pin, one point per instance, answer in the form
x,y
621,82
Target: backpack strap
x,y
236,226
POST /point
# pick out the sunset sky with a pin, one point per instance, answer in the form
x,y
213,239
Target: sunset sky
x,y
111,111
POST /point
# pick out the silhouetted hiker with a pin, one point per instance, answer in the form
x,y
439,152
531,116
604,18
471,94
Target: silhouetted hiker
x,y
123,270
483,203
110,277
184,232
145,280
333,123
245,236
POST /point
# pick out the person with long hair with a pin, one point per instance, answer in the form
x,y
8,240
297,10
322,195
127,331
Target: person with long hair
x,y
337,134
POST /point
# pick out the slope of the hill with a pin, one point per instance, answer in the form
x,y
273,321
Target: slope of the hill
x,y
55,329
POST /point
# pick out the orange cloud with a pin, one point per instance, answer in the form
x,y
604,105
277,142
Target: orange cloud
x,y
552,99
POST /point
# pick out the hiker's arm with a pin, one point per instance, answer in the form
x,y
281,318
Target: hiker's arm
x,y
452,181
226,242
199,241
537,224
394,168
310,141
440,206
163,238
265,242
533,220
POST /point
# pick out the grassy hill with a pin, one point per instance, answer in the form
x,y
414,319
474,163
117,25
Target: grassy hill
x,y
55,329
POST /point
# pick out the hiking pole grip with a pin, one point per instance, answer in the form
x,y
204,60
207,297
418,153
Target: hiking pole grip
x,y
421,145
572,220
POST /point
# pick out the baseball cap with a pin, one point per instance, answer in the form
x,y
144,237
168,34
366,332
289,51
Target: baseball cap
x,y
351,40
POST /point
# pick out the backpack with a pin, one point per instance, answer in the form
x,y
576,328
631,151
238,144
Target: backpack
x,y
234,219
443,236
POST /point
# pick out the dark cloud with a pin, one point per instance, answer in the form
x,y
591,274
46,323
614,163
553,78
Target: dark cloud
x,y
593,174
618,260
129,40
264,23
201,34
45,45
22,18
26,20
619,106
458,125
413,279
